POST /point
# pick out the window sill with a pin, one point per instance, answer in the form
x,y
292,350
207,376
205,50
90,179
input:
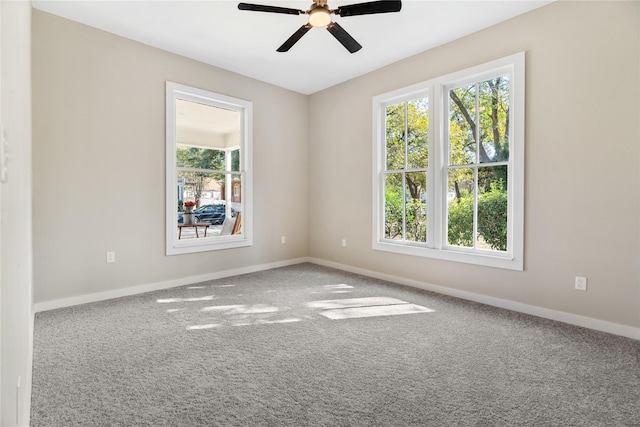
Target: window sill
x,y
189,246
505,261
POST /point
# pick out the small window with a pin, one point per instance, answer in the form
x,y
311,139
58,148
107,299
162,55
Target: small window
x,y
449,166
208,171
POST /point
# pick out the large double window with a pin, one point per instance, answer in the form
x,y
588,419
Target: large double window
x,y
449,166
208,170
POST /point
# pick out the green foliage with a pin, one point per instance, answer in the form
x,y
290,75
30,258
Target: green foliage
x,y
460,230
492,219
395,132
416,225
490,122
198,158
407,128
416,230
392,213
235,160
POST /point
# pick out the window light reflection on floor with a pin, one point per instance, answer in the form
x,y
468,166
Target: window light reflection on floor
x,y
170,300
242,309
266,314
365,307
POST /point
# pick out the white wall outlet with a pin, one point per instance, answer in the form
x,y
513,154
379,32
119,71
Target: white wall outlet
x,y
344,243
283,239
581,283
111,257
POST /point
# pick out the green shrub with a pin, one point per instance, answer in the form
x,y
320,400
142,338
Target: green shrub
x,y
461,222
492,218
392,214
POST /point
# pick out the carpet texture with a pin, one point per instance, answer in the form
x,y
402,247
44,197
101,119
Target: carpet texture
x,y
306,345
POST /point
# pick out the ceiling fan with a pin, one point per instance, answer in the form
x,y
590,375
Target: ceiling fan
x,y
320,16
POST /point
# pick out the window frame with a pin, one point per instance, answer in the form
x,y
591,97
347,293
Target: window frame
x,y
175,246
437,92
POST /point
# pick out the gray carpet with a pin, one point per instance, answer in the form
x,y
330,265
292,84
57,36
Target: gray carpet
x,y
275,349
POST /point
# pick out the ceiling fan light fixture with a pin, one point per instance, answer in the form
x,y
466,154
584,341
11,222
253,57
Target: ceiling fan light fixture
x,y
319,17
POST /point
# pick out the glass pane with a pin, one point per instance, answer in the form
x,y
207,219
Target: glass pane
x,y
199,158
209,198
234,205
235,160
418,132
416,206
492,208
395,131
393,206
462,125
200,201
235,194
199,187
494,119
461,187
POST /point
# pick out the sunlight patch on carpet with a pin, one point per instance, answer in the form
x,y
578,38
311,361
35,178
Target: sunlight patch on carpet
x,y
340,286
379,310
170,300
242,309
353,302
197,327
271,322
351,308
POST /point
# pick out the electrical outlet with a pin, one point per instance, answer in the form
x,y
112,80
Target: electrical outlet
x,y
344,243
111,257
581,283
283,239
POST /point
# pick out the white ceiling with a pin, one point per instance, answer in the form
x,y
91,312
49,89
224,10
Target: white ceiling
x,y
217,33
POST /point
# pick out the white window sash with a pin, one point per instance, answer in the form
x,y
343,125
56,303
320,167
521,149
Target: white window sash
x,y
174,246
437,173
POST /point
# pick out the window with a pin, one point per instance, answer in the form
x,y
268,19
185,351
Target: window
x,y
208,203
449,166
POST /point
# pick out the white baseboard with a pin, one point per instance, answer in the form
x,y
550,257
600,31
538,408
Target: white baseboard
x,y
572,319
149,287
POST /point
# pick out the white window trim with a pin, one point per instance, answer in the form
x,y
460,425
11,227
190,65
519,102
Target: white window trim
x,y
438,153
174,246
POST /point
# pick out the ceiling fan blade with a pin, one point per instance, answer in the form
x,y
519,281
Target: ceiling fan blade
x,y
294,38
273,9
343,37
369,8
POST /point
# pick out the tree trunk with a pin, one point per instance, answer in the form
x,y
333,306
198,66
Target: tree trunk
x,y
484,158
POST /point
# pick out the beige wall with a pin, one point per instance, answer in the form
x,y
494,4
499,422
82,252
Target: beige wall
x,y
99,159
582,202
